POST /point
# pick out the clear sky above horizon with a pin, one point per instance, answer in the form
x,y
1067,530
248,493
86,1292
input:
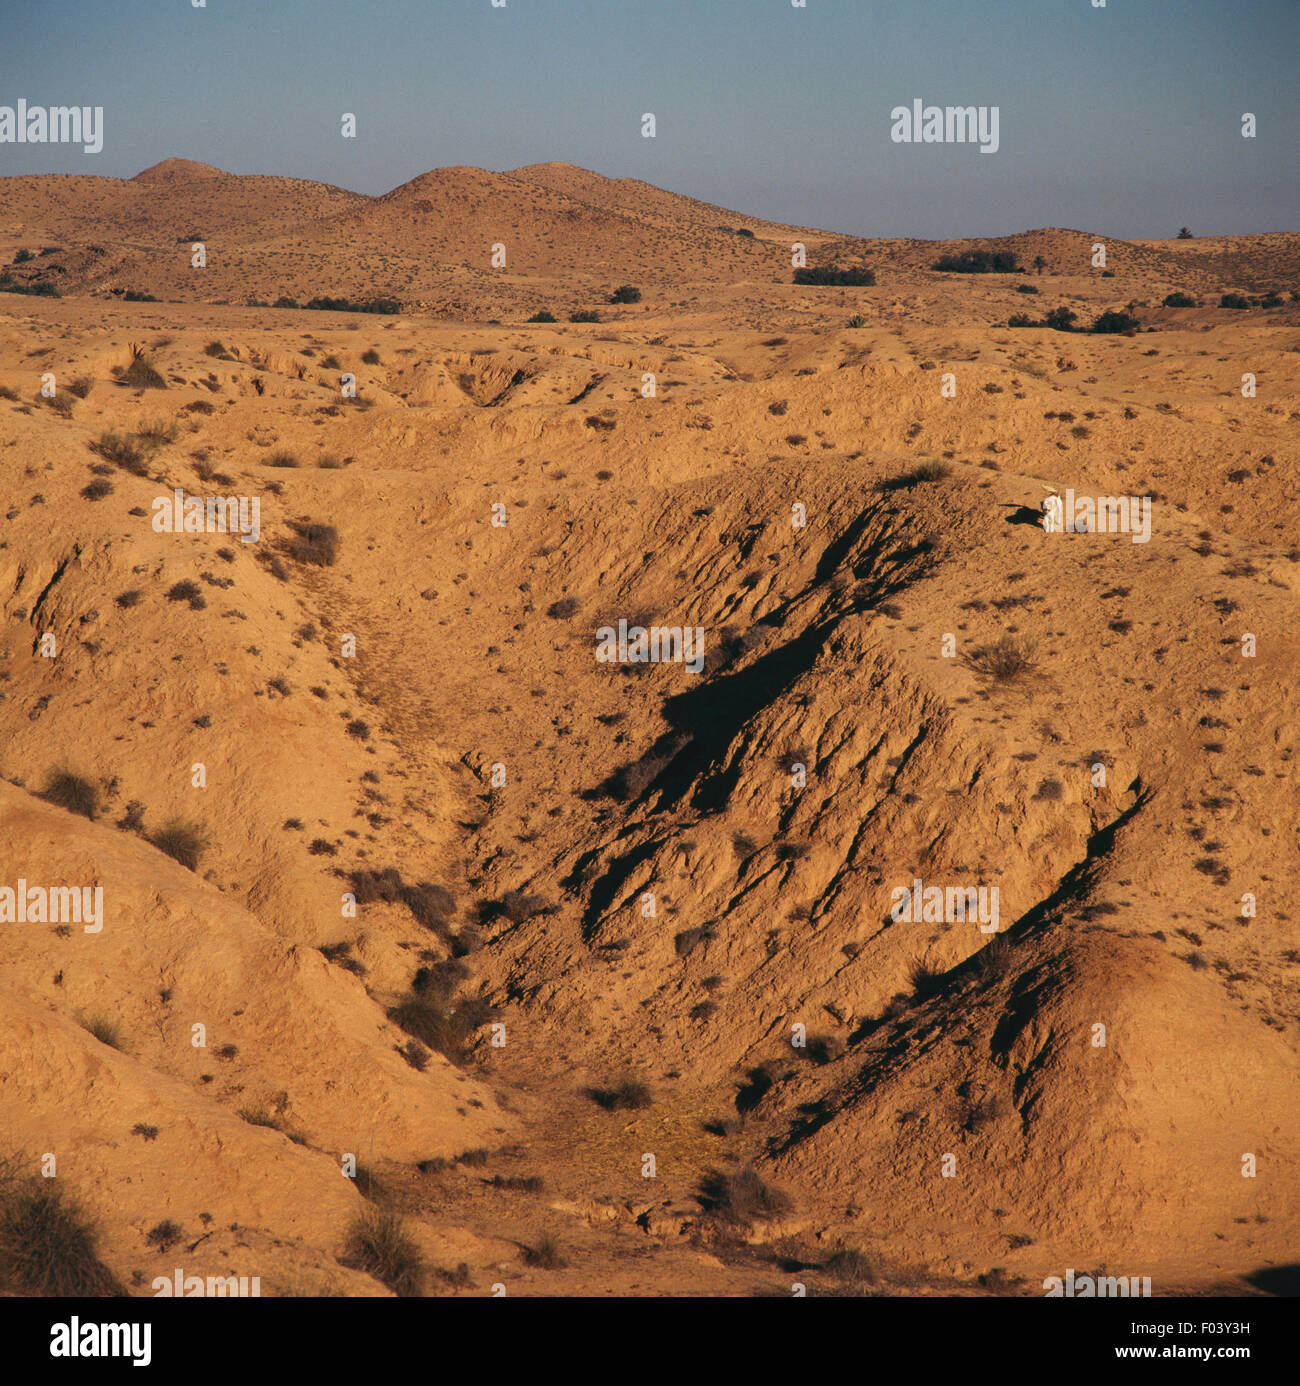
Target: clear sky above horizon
x,y
1124,120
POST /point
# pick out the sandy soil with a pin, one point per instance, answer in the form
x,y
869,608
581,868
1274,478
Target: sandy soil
x,y
619,863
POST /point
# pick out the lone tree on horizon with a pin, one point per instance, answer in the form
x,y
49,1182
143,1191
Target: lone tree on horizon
x,y
1039,263
1184,235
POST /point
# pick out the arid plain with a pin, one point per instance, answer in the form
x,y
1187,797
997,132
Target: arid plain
x,y
618,869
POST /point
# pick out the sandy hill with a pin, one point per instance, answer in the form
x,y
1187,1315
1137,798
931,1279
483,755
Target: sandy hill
x,y
570,237
646,203
178,171
622,864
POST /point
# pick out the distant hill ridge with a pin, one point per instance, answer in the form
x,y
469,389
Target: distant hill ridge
x,y
429,240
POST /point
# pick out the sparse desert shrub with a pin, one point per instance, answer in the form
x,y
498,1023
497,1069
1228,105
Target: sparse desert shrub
x,y
341,954
688,940
157,432
129,599
994,959
81,386
439,1026
1061,319
48,1246
585,315
371,357
431,905
439,981
259,1116
1026,288
164,1235
40,288
359,729
1234,301
564,608
545,1253
743,1197
123,452
834,276
380,1245
983,1111
630,1095
282,459
857,320
313,543
138,296
141,374
851,1266
182,840
930,470
369,886
72,792
103,1029
385,306
926,981
1179,300
1113,321
979,262
626,293
518,1183
218,350
185,591
518,907
1007,658
542,316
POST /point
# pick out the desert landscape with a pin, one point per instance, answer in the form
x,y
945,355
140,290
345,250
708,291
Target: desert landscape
x,y
441,955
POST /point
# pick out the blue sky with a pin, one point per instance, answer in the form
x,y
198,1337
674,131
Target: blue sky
x,y
1124,120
